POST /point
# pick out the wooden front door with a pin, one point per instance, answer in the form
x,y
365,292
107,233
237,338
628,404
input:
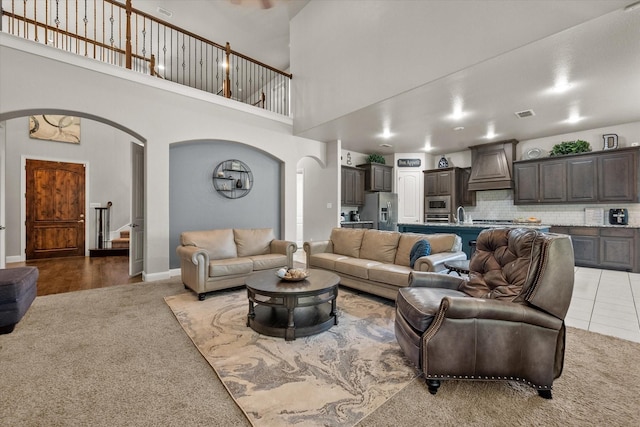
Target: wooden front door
x,y
55,209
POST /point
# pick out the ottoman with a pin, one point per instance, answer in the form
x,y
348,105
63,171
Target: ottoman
x,y
17,292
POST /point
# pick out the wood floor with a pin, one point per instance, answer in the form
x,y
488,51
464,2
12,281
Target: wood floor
x,y
58,275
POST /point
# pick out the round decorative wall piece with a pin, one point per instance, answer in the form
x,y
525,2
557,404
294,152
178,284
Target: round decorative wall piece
x,y
232,179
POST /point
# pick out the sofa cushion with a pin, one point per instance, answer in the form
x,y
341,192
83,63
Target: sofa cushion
x,y
379,245
391,274
268,261
253,241
355,267
406,242
325,260
219,243
229,267
420,248
347,241
444,242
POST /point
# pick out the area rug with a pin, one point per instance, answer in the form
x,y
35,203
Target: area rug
x,y
334,378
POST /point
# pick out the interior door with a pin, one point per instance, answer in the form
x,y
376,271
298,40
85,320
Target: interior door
x,y
2,195
55,215
409,197
136,238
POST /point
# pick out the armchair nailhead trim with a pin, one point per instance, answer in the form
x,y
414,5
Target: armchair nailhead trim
x,y
473,377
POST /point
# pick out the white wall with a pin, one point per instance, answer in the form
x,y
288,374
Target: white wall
x,y
322,194
158,113
105,149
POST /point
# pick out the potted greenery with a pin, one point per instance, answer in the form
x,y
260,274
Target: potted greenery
x,y
570,147
375,158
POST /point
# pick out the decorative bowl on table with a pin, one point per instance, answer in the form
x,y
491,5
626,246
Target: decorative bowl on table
x,y
292,274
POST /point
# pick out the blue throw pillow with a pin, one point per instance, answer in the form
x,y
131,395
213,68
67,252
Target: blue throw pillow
x,y
420,248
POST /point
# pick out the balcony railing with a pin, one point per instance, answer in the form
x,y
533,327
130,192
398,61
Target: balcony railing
x,y
117,33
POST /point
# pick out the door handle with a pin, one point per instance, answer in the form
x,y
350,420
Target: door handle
x,y
133,225
2,227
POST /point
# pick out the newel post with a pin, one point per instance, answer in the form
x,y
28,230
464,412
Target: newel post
x,y
128,36
227,81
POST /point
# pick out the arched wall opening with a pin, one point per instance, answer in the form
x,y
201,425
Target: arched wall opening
x,y
194,203
105,149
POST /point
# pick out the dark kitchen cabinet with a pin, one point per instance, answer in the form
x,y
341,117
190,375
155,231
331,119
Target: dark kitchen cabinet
x,y
377,177
618,176
438,182
540,182
604,247
601,177
352,189
467,198
452,182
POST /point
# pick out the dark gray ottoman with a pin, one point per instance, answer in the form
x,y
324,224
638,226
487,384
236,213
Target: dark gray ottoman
x,y
17,292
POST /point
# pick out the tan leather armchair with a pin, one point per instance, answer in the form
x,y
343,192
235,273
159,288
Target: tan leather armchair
x,y
503,322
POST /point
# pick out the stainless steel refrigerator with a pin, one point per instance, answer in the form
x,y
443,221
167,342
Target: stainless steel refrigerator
x,y
382,209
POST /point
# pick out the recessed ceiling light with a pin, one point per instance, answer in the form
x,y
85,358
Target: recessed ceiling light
x,y
386,133
458,128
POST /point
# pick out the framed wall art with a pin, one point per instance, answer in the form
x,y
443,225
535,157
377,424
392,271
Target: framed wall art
x,y
53,127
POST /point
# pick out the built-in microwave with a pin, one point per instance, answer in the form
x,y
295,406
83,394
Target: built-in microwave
x,y
437,205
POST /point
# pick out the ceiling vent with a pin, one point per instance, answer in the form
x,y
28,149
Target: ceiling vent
x,y
385,145
164,12
525,113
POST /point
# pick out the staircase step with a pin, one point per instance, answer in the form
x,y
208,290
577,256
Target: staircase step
x,y
120,243
124,234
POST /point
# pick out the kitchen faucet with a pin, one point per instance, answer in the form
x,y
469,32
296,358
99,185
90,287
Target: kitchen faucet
x,y
460,215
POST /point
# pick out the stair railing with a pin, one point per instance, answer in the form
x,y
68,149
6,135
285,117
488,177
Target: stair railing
x,y
119,34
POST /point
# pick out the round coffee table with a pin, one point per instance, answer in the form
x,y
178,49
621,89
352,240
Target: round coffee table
x,y
292,309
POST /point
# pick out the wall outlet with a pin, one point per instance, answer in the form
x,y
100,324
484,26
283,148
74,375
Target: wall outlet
x,y
94,205
329,205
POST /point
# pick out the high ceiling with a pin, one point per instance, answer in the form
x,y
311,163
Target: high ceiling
x,y
601,57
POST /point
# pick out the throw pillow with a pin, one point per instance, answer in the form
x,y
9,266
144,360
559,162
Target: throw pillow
x,y
420,248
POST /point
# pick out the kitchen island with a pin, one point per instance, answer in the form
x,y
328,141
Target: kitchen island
x,y
467,231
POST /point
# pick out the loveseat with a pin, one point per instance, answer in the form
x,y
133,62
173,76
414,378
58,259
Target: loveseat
x,y
378,262
211,260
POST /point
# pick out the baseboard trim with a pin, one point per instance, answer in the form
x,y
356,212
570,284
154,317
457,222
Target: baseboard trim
x,y
154,277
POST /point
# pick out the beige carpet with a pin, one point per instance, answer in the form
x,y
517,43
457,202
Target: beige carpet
x,y
117,357
335,378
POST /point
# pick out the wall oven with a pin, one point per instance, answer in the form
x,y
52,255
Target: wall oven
x,y
444,218
437,209
437,204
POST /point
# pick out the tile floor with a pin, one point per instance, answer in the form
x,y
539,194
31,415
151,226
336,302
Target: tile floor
x,y
604,301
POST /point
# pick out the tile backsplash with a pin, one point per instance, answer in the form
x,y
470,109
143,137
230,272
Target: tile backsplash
x,y
498,204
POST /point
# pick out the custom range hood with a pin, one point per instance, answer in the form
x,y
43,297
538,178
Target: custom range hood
x,y
492,165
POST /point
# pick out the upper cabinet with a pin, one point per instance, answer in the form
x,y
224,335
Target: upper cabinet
x,y
450,182
601,177
352,193
438,182
377,177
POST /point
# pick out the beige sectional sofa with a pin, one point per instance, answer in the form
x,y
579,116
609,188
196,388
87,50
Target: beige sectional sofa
x,y
377,261
218,259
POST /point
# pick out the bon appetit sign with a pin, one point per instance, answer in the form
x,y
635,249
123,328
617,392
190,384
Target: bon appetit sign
x,y
409,163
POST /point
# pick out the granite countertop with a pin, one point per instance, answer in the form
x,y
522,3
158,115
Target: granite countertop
x,y
476,225
600,225
501,224
356,222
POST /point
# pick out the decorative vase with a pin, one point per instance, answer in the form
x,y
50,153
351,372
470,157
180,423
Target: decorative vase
x,y
247,184
239,183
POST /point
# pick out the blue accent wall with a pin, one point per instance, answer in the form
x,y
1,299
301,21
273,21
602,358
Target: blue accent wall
x,y
194,204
